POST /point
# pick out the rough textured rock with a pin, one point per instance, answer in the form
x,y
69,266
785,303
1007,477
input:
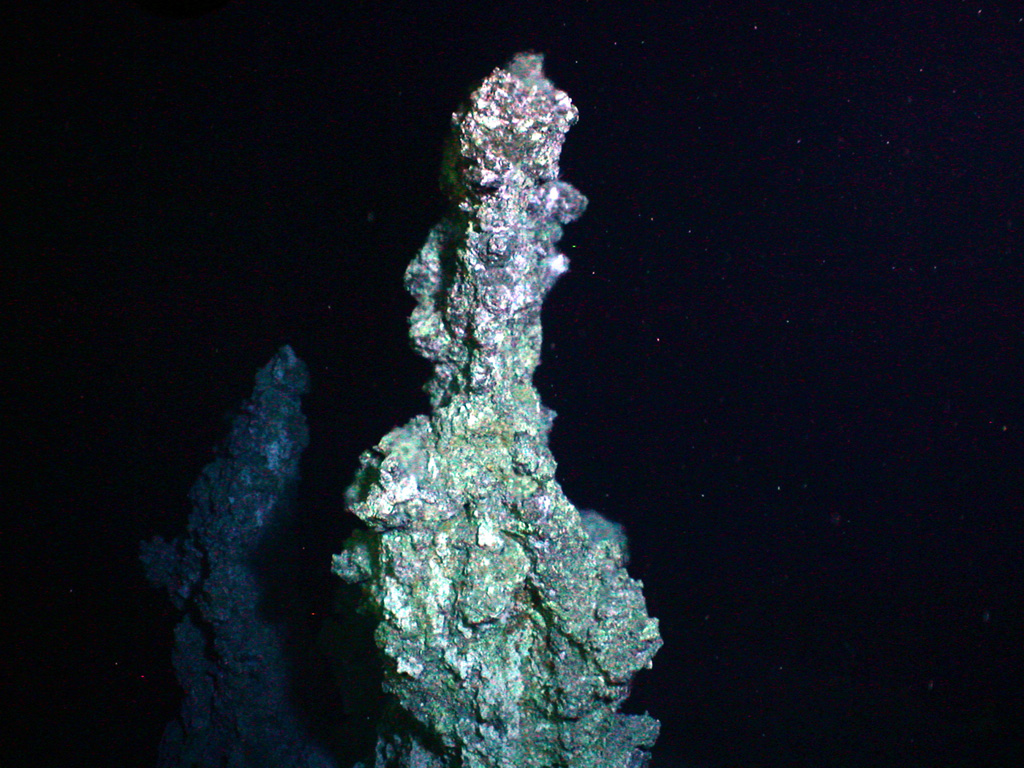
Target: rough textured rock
x,y
231,648
509,628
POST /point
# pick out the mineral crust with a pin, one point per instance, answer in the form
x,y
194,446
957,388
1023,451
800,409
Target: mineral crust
x,y
507,624
231,654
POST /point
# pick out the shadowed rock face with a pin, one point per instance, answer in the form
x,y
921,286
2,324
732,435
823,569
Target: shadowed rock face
x,y
509,629
235,646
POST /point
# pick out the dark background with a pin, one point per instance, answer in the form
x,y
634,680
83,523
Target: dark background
x,y
788,353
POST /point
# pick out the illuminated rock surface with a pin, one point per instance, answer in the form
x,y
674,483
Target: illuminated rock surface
x,y
509,628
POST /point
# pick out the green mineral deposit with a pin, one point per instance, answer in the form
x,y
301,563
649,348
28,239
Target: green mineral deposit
x,y
507,625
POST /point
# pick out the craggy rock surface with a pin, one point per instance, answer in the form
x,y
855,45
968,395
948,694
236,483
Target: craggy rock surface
x,y
508,626
231,652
